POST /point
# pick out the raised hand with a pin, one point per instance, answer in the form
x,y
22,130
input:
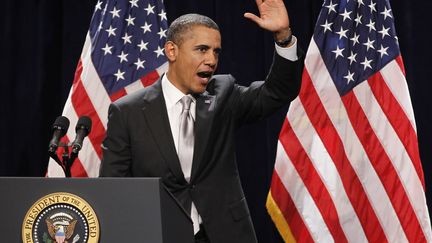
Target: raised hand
x,y
273,17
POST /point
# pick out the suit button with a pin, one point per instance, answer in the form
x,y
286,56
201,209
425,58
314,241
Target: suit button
x,y
192,186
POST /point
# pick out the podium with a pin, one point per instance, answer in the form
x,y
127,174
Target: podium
x,y
91,209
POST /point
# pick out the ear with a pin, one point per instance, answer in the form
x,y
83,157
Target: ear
x,y
171,51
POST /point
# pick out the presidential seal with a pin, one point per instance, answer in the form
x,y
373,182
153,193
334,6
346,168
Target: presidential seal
x,y
60,218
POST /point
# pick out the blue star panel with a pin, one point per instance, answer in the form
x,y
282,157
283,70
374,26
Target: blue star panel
x,y
127,40
356,38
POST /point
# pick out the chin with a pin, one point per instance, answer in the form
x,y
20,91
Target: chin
x,y
199,90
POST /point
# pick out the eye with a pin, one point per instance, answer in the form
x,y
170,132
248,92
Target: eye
x,y
217,51
202,48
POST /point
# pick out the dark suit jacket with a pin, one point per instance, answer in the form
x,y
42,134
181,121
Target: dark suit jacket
x,y
139,143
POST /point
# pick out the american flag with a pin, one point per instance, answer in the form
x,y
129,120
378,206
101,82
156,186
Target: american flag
x,y
348,166
123,52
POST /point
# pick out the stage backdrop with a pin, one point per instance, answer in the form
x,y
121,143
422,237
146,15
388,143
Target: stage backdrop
x,y
41,41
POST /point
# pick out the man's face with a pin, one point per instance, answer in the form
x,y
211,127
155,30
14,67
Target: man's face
x,y
193,62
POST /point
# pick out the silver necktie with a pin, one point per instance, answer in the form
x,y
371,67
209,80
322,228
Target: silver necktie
x,y
186,138
185,152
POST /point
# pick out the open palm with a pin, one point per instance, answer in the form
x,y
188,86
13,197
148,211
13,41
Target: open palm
x,y
273,15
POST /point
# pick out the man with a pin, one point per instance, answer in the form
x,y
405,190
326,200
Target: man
x,y
182,128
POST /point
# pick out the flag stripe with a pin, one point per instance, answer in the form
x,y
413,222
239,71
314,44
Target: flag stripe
x,y
301,199
83,106
290,216
313,146
162,69
396,83
313,182
150,78
87,157
134,87
383,168
400,63
117,95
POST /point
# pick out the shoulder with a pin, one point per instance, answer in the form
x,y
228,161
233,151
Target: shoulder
x,y
137,98
220,83
130,99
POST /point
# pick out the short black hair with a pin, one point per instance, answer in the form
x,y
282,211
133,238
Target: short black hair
x,y
180,26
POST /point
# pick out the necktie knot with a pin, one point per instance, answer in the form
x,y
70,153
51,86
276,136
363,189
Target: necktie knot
x,y
186,102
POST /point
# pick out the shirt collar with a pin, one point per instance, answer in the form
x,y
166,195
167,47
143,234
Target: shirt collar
x,y
171,93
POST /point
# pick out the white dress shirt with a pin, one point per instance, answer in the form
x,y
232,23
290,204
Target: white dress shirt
x,y
172,97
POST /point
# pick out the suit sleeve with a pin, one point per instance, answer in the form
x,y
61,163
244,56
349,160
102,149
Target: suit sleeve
x,y
262,99
116,159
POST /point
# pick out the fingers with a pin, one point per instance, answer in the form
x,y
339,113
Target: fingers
x,y
253,17
259,2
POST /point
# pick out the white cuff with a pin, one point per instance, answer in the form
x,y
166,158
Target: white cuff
x,y
290,52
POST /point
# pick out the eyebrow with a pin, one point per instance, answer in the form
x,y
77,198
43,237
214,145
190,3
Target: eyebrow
x,y
202,46
218,50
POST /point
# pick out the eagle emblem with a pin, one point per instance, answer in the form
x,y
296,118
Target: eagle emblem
x,y
61,227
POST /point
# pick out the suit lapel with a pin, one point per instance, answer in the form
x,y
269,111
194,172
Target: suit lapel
x,y
203,125
155,113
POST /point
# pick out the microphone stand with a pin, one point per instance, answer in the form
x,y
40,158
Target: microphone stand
x,y
67,161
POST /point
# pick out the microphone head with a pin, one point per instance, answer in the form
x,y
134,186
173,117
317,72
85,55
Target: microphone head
x,y
62,124
85,124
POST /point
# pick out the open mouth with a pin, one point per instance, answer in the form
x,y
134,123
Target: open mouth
x,y
205,74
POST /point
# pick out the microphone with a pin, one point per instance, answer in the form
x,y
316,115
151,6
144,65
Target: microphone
x,y
59,128
82,129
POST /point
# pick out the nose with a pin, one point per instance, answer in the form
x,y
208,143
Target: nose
x,y
211,59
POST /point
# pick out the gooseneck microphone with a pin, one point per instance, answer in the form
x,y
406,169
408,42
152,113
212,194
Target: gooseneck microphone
x,y
82,129
59,128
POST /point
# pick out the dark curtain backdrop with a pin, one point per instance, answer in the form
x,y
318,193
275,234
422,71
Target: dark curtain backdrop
x,y
41,41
